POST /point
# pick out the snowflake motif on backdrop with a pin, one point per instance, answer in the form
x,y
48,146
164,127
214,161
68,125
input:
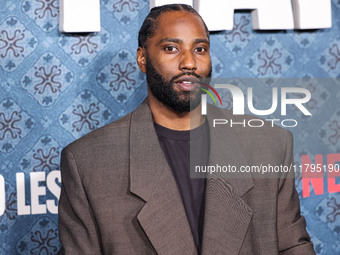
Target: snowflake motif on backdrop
x,y
335,210
16,43
330,132
329,212
8,125
335,127
330,59
15,124
43,12
121,77
44,156
270,60
124,10
84,48
238,38
84,43
8,218
85,114
334,51
47,79
41,239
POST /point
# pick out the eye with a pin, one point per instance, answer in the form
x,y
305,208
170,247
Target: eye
x,y
200,49
171,49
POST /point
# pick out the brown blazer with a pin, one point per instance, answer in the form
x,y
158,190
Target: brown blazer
x,y
118,194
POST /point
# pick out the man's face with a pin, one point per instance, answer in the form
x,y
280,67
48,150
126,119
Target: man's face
x,y
177,58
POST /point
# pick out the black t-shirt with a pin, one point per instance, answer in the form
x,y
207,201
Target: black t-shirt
x,y
176,146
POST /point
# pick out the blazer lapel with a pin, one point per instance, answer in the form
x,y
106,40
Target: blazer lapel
x,y
227,215
163,216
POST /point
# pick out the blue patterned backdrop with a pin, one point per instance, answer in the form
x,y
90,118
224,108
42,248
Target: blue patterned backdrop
x,y
55,87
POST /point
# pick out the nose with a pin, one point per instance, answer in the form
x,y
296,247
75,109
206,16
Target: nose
x,y
188,61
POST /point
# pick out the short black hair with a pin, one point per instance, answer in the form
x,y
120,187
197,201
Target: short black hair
x,y
149,26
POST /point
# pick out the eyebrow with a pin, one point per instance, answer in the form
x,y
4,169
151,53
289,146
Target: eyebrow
x,y
202,41
177,40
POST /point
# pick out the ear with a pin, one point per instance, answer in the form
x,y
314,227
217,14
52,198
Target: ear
x,y
141,59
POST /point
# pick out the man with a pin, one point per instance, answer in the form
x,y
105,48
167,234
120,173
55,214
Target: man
x,y
126,187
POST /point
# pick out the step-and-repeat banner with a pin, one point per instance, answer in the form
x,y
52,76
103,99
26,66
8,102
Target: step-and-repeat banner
x,y
56,87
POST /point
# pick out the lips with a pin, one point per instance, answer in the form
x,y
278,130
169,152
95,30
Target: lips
x,y
187,83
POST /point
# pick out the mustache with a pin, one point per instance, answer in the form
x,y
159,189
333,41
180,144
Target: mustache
x,y
185,74
201,79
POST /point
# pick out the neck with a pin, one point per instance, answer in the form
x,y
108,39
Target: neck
x,y
166,117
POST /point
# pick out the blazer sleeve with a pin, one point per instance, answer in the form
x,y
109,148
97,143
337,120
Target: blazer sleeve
x,y
292,235
78,231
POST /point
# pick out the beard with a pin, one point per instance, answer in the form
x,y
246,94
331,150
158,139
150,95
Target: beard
x,y
163,90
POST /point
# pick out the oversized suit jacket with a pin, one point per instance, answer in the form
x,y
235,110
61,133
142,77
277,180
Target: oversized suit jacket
x,y
119,196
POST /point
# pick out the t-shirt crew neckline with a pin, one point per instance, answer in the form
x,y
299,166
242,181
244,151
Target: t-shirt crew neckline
x,y
180,135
